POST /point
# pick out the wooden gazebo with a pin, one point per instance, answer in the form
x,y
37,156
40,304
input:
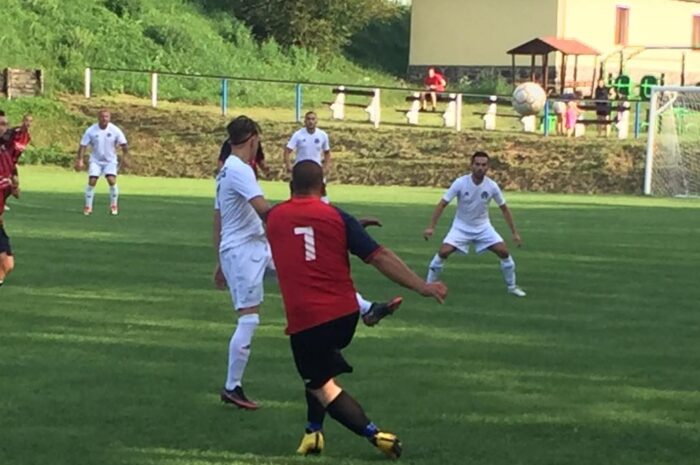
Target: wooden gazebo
x,y
543,46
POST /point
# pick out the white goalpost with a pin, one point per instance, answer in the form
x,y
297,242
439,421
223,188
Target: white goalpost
x,y
672,165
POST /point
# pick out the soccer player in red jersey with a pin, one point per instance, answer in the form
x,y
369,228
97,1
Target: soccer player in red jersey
x,y
7,166
310,241
15,141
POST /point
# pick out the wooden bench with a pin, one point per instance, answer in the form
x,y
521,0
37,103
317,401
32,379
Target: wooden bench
x,y
373,110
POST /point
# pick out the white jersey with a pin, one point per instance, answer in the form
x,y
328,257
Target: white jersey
x,y
473,202
104,142
309,146
235,186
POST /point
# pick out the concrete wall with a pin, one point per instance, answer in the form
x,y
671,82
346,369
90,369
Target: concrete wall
x,y
476,32
468,34
651,23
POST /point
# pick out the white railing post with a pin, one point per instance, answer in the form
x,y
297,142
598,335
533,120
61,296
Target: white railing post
x,y
458,123
651,135
88,82
154,90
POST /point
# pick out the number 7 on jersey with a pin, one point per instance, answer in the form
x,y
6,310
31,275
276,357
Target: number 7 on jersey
x,y
309,241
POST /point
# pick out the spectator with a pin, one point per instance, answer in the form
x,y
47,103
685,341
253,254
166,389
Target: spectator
x,y
572,113
602,95
434,82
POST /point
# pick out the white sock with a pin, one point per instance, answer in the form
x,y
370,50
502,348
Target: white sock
x,y
435,268
113,195
365,305
89,196
239,349
508,269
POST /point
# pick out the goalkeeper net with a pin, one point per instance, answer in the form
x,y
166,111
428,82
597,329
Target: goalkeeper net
x,y
673,145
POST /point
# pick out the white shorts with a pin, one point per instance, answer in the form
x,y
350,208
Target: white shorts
x,y
244,268
97,169
482,240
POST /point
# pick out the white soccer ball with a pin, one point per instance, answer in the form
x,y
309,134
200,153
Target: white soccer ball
x,y
529,99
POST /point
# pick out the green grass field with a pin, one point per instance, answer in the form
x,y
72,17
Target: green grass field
x,y
114,341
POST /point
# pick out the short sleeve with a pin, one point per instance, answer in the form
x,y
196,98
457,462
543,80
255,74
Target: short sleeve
x,y
452,192
243,182
326,143
85,140
293,141
360,243
498,195
121,138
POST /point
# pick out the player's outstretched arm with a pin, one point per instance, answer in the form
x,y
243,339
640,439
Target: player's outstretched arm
x,y
391,266
508,216
435,218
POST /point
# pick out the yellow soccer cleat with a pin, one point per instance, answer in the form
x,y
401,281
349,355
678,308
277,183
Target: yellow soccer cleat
x,y
311,443
387,443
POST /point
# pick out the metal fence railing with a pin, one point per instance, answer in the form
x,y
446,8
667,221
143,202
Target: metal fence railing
x,y
378,104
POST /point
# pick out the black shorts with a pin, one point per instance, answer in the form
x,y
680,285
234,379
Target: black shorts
x,y
4,242
317,350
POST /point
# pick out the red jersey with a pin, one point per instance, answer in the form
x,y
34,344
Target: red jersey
x,y
7,168
19,142
437,81
310,241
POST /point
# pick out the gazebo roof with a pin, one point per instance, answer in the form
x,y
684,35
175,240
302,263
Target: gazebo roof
x,y
545,45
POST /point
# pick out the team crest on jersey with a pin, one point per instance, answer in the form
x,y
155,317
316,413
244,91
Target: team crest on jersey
x,y
317,141
109,134
484,195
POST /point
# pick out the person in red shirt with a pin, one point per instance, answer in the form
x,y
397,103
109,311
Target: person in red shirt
x,y
434,82
310,241
7,166
15,142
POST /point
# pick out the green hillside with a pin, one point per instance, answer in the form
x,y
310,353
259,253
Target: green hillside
x,y
63,37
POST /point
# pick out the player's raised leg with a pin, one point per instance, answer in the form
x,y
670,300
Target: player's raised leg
x,y
111,177
507,268
373,312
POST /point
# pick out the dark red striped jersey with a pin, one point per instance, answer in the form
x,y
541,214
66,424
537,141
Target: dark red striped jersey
x,y
7,167
310,241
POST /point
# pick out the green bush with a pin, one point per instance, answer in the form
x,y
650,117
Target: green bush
x,y
51,155
487,82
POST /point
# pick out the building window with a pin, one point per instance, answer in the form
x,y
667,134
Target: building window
x,y
696,31
622,25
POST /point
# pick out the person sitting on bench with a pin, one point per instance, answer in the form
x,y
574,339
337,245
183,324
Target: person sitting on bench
x,y
602,95
434,82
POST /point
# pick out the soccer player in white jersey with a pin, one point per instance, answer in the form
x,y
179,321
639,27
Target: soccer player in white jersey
x,y
104,138
472,225
242,248
309,143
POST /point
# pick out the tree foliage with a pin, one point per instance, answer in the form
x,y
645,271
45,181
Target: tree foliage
x,y
325,26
